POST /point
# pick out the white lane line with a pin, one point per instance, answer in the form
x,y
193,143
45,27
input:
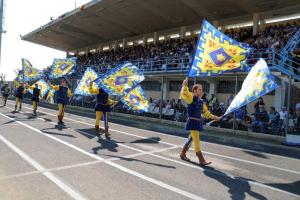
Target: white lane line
x,y
214,154
65,187
212,171
82,164
124,169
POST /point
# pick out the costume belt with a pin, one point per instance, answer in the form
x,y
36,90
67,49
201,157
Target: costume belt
x,y
104,104
194,118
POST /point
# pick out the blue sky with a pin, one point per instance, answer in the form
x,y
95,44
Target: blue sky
x,y
22,17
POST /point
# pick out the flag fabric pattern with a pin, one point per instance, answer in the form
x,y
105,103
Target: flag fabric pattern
x,y
83,87
120,80
136,100
217,53
43,86
258,82
50,96
62,67
30,73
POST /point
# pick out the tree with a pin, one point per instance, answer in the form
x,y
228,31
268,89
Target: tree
x,y
2,78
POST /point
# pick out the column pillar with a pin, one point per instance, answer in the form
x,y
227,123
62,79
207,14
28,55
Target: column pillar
x,y
155,37
124,43
182,31
255,23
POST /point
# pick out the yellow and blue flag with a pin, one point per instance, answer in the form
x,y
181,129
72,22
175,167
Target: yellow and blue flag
x,y
217,53
43,86
62,67
258,82
120,80
29,72
83,87
136,99
50,96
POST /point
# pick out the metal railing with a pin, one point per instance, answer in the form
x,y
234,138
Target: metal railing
x,y
181,65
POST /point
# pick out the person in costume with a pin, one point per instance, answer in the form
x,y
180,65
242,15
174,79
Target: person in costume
x,y
196,108
102,107
5,92
36,94
63,95
19,95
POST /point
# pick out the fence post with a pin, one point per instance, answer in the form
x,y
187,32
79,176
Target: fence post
x,y
235,92
161,96
288,106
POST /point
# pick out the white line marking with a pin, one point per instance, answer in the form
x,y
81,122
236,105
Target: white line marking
x,y
82,164
192,166
68,189
124,169
214,154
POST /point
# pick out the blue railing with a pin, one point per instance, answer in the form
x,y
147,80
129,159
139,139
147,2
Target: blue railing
x,y
181,65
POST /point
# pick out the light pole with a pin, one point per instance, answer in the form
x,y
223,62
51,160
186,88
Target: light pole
x,y
1,26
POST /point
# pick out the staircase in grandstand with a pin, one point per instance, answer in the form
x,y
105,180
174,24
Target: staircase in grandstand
x,y
285,63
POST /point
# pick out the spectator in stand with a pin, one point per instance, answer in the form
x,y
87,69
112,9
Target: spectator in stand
x,y
274,121
179,110
297,122
259,102
239,116
283,115
260,121
176,53
298,106
204,98
291,123
229,100
296,59
212,103
220,109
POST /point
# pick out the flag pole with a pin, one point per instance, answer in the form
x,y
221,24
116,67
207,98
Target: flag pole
x,y
235,92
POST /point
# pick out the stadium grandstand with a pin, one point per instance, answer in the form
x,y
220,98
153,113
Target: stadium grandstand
x,y
62,137
160,38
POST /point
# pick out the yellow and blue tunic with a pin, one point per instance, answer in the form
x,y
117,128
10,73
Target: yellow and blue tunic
x,y
20,92
36,93
103,104
196,109
63,93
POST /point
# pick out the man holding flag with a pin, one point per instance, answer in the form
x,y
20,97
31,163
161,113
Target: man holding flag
x,y
63,95
19,95
36,93
103,106
5,93
195,109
